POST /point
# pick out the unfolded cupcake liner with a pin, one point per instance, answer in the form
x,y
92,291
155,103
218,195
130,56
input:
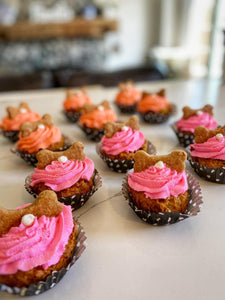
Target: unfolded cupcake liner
x,y
165,218
211,174
127,109
12,135
72,116
157,118
76,201
122,166
184,138
31,158
91,133
56,276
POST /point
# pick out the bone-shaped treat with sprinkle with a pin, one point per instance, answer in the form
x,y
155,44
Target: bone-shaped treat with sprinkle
x,y
70,93
175,160
112,127
202,134
124,86
75,152
27,127
88,107
161,93
13,111
189,112
45,204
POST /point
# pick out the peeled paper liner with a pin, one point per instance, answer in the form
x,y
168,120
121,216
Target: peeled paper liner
x,y
31,158
76,201
72,116
12,135
122,166
127,109
184,139
211,174
157,118
165,218
56,276
91,133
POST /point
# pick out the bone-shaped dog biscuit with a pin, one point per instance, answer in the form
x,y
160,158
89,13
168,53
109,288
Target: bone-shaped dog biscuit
x,y
161,93
70,93
88,107
202,134
123,86
27,127
75,152
45,204
175,160
189,112
13,111
112,127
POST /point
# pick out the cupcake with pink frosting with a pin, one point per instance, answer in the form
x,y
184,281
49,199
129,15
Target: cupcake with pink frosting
x,y
39,243
207,154
192,118
159,190
70,174
120,142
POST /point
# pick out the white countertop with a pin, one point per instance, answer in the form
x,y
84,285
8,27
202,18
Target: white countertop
x,y
126,258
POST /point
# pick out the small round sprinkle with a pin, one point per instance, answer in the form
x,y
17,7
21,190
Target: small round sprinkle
x,y
41,126
62,159
199,112
28,219
159,164
100,107
125,128
23,110
219,136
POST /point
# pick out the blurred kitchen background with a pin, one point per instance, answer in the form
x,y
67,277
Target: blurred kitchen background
x,y
69,43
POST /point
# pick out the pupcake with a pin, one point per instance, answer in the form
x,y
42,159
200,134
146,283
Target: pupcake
x,y
192,118
73,103
120,143
39,135
16,116
39,242
93,119
159,190
70,174
207,154
155,108
127,97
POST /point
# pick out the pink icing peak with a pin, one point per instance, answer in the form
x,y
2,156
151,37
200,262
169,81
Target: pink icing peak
x,y
191,123
41,244
59,176
159,183
123,141
213,148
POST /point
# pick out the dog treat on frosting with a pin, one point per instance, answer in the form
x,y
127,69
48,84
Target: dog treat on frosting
x,y
45,204
88,107
75,152
26,128
161,93
111,127
175,160
13,111
189,112
202,134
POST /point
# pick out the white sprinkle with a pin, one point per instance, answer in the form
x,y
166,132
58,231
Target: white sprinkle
x,y
100,107
219,136
41,126
62,159
23,110
125,128
28,219
199,112
159,164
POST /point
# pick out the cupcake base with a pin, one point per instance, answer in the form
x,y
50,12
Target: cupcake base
x,y
91,133
127,109
157,118
72,116
184,138
76,201
55,277
12,135
165,218
122,166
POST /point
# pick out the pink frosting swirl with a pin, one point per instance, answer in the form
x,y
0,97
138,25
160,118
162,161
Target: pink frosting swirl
x,y
159,183
191,123
212,148
123,141
41,244
59,176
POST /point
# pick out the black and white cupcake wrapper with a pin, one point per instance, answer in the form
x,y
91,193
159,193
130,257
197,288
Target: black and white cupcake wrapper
x,y
76,201
72,116
91,133
157,118
127,109
31,158
55,277
165,218
211,174
122,166
184,138
12,135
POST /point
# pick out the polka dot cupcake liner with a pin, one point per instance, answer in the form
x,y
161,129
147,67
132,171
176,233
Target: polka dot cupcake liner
x,y
184,138
76,201
211,174
127,109
91,133
122,166
31,158
72,116
55,277
157,118
12,135
166,218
